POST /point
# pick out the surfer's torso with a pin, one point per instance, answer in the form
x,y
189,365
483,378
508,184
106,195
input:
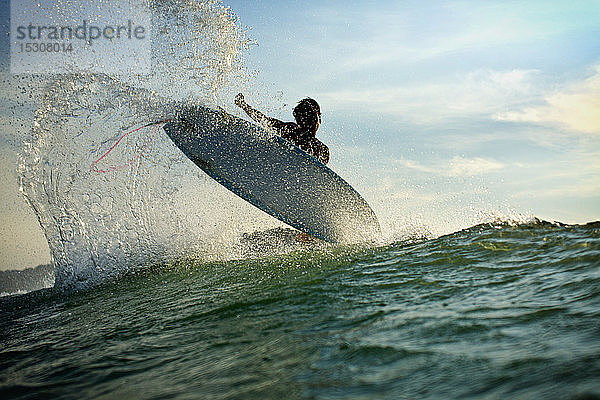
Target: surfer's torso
x,y
302,138
300,135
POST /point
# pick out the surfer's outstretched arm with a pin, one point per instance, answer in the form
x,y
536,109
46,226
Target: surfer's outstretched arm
x,y
257,116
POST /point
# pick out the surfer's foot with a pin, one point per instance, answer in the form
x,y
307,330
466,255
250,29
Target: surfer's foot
x,y
305,238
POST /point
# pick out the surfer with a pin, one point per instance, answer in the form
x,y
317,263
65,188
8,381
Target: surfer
x,y
302,132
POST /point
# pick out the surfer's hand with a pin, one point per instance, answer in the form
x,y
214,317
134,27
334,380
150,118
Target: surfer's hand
x,y
239,100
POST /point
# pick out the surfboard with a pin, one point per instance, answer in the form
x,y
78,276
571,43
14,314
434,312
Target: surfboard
x,y
273,174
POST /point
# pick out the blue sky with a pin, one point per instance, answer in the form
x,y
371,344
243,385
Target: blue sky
x,y
431,103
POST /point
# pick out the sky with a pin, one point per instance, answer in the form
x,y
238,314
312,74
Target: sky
x,y
459,99
441,113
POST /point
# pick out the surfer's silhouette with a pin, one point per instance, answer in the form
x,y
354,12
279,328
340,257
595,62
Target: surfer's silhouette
x,y
302,132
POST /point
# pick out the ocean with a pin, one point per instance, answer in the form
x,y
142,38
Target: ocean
x,y
496,311
162,284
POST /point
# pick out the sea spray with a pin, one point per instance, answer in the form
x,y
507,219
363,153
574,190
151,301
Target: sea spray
x,y
144,202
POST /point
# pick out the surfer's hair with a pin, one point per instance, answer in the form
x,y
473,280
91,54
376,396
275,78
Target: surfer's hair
x,y
307,113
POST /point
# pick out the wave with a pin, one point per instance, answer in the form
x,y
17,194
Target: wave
x,y
515,304
109,191
475,247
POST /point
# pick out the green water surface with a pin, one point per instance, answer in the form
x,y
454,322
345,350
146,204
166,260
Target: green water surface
x,y
493,312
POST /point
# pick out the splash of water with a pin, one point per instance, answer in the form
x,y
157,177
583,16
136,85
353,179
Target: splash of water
x,y
200,49
111,192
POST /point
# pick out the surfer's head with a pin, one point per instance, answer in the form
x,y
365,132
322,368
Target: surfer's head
x,y
308,114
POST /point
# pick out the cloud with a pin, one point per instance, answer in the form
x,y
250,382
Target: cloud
x,y
480,93
460,166
410,164
576,107
456,167
583,188
394,34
